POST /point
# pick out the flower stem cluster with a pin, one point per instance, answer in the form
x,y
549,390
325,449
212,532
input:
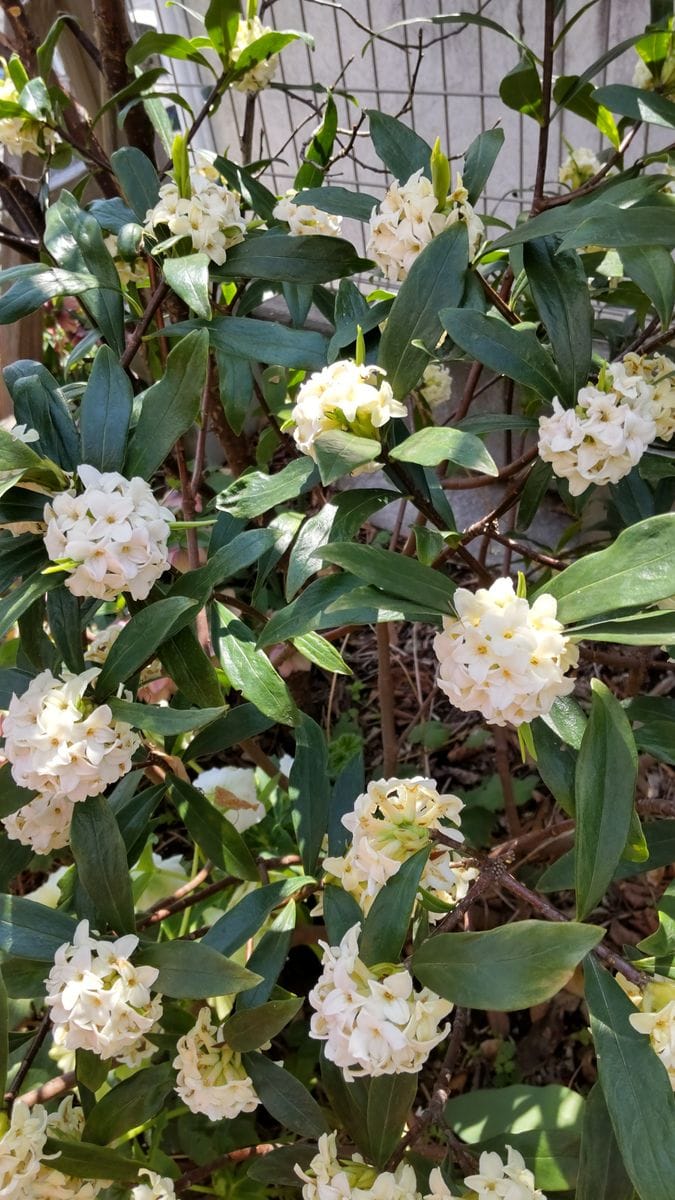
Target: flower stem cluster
x,y
391,821
99,1000
211,1077
345,395
503,657
372,1021
410,216
110,533
65,747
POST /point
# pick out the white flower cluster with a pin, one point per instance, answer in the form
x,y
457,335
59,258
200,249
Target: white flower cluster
x,y
502,656
656,1018
233,791
99,1000
64,747
22,1174
22,135
658,373
436,385
66,1124
510,1180
134,271
409,218
664,79
605,435
263,73
211,1077
580,166
113,530
331,1178
158,1187
304,220
344,396
373,1025
390,822
210,216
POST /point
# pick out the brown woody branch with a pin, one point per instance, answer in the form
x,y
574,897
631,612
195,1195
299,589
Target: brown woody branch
x,y
114,40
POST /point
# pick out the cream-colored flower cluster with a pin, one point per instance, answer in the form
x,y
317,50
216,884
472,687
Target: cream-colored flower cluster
x,y
510,1180
390,822
373,1024
409,218
211,1077
23,1176
344,395
134,271
233,791
66,1124
656,1018
605,435
304,220
65,747
580,165
663,78
260,76
99,1000
158,1187
22,135
331,1178
113,530
210,216
436,385
503,657
656,372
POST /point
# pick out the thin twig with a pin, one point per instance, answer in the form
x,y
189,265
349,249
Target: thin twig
x,y
385,693
29,1058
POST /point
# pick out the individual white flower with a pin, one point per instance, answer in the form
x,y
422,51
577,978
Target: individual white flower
x,y
135,271
503,657
210,216
304,220
99,1000
580,166
438,1188
66,1124
510,1180
211,1077
21,433
65,747
409,218
604,436
331,1178
345,395
261,75
21,1148
656,1018
115,532
436,385
656,396
22,135
233,791
373,1023
158,1187
390,822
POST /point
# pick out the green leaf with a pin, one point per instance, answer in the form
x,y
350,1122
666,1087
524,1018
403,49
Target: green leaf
x,y
338,520
253,1027
520,89
255,493
139,179
43,284
637,629
637,104
433,445
660,839
284,1097
270,956
253,193
129,1104
604,791
40,404
514,352
277,1168
101,859
188,277
339,200
243,920
479,160
320,651
512,967
140,638
251,672
166,722
386,926
215,835
241,722
261,341
317,155
281,257
390,1101
191,970
105,413
608,225
560,291
435,281
556,763
309,790
400,576
636,570
168,45
653,269
602,1175
75,241
170,406
83,1160
635,1085
222,20
398,146
192,671
583,103
112,215
338,453
22,597
30,930
341,912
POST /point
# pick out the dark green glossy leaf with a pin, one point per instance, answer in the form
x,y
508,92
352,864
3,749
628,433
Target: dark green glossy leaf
x,y
515,353
191,970
139,640
216,836
479,160
282,257
139,179
188,277
253,1027
340,200
105,413
129,1104
602,1175
386,926
29,930
560,291
433,445
309,790
169,406
101,859
43,284
284,1097
241,922
402,577
251,672
398,146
